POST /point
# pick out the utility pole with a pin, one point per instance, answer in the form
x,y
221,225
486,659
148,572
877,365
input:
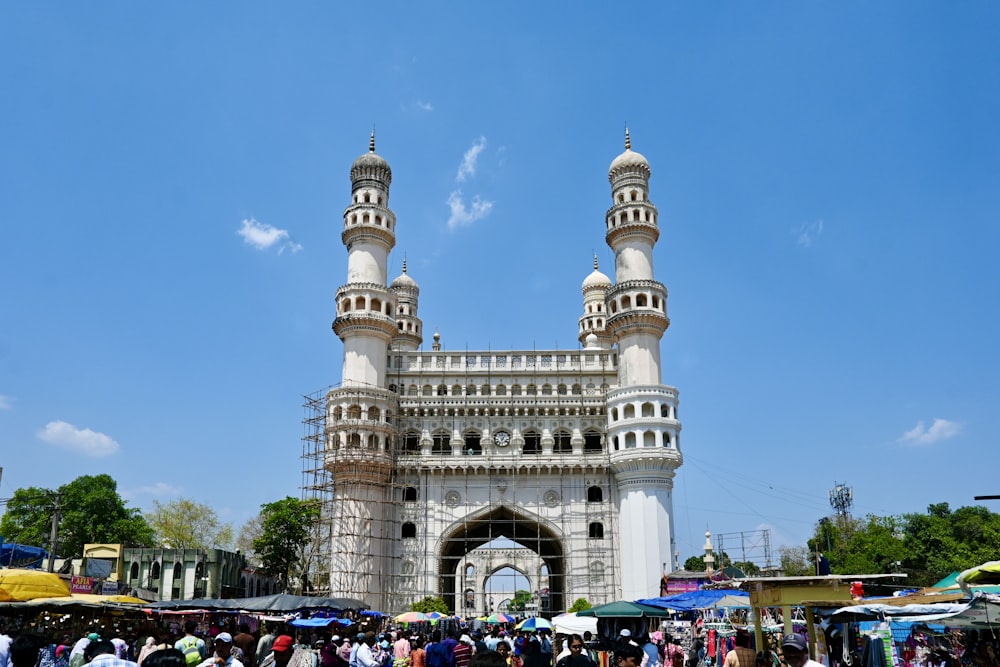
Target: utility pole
x,y
54,533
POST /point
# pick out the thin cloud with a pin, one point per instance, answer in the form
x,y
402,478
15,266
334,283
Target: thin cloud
x,y
263,236
157,490
468,166
425,106
81,440
921,435
462,215
6,402
809,233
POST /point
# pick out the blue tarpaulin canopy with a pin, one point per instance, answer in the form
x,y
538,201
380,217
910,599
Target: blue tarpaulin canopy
x,y
700,600
21,555
319,622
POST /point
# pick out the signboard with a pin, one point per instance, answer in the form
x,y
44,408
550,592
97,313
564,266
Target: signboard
x,y
81,585
109,588
681,586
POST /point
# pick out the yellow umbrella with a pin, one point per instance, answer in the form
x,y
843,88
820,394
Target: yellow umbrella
x,y
20,585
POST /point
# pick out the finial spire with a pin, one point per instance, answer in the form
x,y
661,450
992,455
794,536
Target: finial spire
x,y
404,264
628,141
595,261
371,142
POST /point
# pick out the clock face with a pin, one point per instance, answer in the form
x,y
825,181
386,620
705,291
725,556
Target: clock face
x,y
501,439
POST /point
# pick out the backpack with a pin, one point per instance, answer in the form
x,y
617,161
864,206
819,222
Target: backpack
x,y
192,656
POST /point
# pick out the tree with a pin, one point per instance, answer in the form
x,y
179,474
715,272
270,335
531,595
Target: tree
x,y
748,568
91,511
429,604
520,601
579,605
695,564
250,531
286,526
795,561
185,524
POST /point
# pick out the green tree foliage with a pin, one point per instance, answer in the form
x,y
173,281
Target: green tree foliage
x,y
520,601
749,569
927,547
286,526
185,524
795,561
429,604
695,564
579,605
248,533
91,512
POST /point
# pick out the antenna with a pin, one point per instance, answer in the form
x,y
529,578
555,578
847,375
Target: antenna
x,y
841,499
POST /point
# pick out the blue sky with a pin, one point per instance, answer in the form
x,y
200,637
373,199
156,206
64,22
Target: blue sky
x,y
172,179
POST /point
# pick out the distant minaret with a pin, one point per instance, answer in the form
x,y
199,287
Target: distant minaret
x,y
409,333
359,445
642,413
593,323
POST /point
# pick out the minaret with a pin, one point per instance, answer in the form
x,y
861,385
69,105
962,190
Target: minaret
x,y
409,327
593,322
642,413
359,434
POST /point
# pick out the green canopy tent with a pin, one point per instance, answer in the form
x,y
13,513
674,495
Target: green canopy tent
x,y
622,609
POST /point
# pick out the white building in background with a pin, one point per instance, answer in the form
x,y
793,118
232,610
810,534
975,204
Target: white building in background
x,y
434,453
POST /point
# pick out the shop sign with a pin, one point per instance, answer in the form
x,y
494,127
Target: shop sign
x,y
109,588
81,585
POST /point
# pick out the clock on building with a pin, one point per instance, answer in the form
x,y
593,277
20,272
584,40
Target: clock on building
x,y
501,439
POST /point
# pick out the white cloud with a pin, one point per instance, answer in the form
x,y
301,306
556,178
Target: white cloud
x,y
263,236
461,215
941,429
6,402
82,440
157,490
425,106
808,233
468,166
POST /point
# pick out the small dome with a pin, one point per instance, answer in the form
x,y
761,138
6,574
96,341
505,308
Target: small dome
x,y
629,158
591,341
371,159
596,278
404,280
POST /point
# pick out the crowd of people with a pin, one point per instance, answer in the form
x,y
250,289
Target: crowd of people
x,y
452,647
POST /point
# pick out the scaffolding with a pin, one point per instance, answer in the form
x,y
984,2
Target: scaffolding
x,y
748,546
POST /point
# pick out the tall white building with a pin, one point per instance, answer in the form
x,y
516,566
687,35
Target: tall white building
x,y
434,453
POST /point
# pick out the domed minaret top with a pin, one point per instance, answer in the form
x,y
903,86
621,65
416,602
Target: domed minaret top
x,y
592,324
628,162
371,167
409,335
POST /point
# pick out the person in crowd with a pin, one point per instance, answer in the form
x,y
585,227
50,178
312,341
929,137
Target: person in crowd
x,y
401,650
5,641
22,651
627,654
264,644
359,639
795,650
285,654
223,653
192,647
165,657
503,648
462,652
246,643
577,654
147,648
532,656
366,652
487,658
742,655
437,652
418,655
101,653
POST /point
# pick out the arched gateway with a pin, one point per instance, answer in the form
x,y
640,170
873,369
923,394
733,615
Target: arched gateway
x,y
429,457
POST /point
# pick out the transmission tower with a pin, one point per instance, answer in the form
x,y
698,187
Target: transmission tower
x,y
841,499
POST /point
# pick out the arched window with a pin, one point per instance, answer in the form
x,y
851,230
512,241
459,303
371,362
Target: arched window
x,y
561,390
409,529
442,390
649,439
629,411
442,444
409,494
154,571
614,414
485,391
592,442
456,390
630,440
133,573
515,390
665,411
470,390
546,390
532,443
501,390
626,302
532,390
354,412
411,390
427,391
372,441
354,440
473,443
178,571
595,494
648,410
411,443
596,530
470,571
577,390
338,413
640,301
376,305
561,443
374,414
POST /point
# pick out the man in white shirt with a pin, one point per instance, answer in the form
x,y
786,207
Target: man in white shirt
x,y
795,651
223,656
365,656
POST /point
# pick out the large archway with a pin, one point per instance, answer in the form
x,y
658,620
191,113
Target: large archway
x,y
485,526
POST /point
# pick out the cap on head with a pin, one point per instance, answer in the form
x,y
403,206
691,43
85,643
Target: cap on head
x,y
93,636
224,637
625,633
283,643
794,641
